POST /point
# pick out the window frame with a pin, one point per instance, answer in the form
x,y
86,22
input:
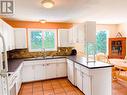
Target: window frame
x,y
42,30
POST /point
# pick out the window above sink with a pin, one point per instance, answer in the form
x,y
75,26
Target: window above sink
x,y
39,39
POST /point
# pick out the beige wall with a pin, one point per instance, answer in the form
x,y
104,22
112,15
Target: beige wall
x,y
112,28
122,28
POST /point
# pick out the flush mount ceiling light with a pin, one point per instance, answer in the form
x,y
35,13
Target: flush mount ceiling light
x,y
48,3
42,21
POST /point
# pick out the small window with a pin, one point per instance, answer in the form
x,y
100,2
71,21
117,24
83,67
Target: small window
x,y
101,38
42,39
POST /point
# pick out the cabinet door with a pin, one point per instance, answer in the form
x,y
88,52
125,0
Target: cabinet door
x,y
63,37
87,88
19,81
79,79
71,36
81,30
5,34
28,73
1,32
70,71
20,38
61,69
50,70
11,37
39,72
75,33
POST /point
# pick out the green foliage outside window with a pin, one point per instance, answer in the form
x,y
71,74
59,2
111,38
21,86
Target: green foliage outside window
x,y
40,40
49,40
101,41
36,39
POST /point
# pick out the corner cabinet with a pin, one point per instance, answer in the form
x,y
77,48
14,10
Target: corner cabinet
x,y
20,38
117,47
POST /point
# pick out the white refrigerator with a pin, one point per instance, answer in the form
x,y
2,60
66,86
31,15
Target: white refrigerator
x,y
4,88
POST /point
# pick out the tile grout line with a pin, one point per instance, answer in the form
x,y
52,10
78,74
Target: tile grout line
x,y
42,88
73,88
53,88
32,88
62,87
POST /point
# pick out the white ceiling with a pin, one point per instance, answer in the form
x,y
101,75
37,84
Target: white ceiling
x,y
102,11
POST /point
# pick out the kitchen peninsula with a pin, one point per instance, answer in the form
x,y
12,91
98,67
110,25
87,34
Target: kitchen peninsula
x,y
91,78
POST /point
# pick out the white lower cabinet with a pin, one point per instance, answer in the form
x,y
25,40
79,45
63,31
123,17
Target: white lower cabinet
x,y
79,79
70,71
39,72
28,71
43,69
61,69
50,71
19,80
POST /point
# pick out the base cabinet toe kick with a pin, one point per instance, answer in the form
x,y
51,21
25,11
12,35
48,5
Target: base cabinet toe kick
x,y
95,81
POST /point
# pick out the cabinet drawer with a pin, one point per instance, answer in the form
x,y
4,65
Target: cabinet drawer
x,y
39,62
77,66
85,70
61,60
27,63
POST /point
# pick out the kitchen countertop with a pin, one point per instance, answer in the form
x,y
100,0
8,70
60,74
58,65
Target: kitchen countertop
x,y
13,64
92,65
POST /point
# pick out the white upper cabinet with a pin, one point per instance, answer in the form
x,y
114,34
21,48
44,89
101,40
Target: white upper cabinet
x,y
6,35
1,32
90,31
81,34
7,31
70,36
11,37
63,37
20,38
76,34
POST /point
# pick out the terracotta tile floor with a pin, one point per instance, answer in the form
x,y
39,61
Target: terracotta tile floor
x,y
63,87
119,87
50,87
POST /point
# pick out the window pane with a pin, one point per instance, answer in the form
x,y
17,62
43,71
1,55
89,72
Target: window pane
x,y
36,40
101,41
49,40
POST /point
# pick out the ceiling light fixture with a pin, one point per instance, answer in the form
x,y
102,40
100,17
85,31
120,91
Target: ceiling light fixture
x,y
48,3
42,21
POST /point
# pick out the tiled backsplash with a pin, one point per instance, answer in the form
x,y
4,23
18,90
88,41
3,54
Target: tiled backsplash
x,y
24,53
